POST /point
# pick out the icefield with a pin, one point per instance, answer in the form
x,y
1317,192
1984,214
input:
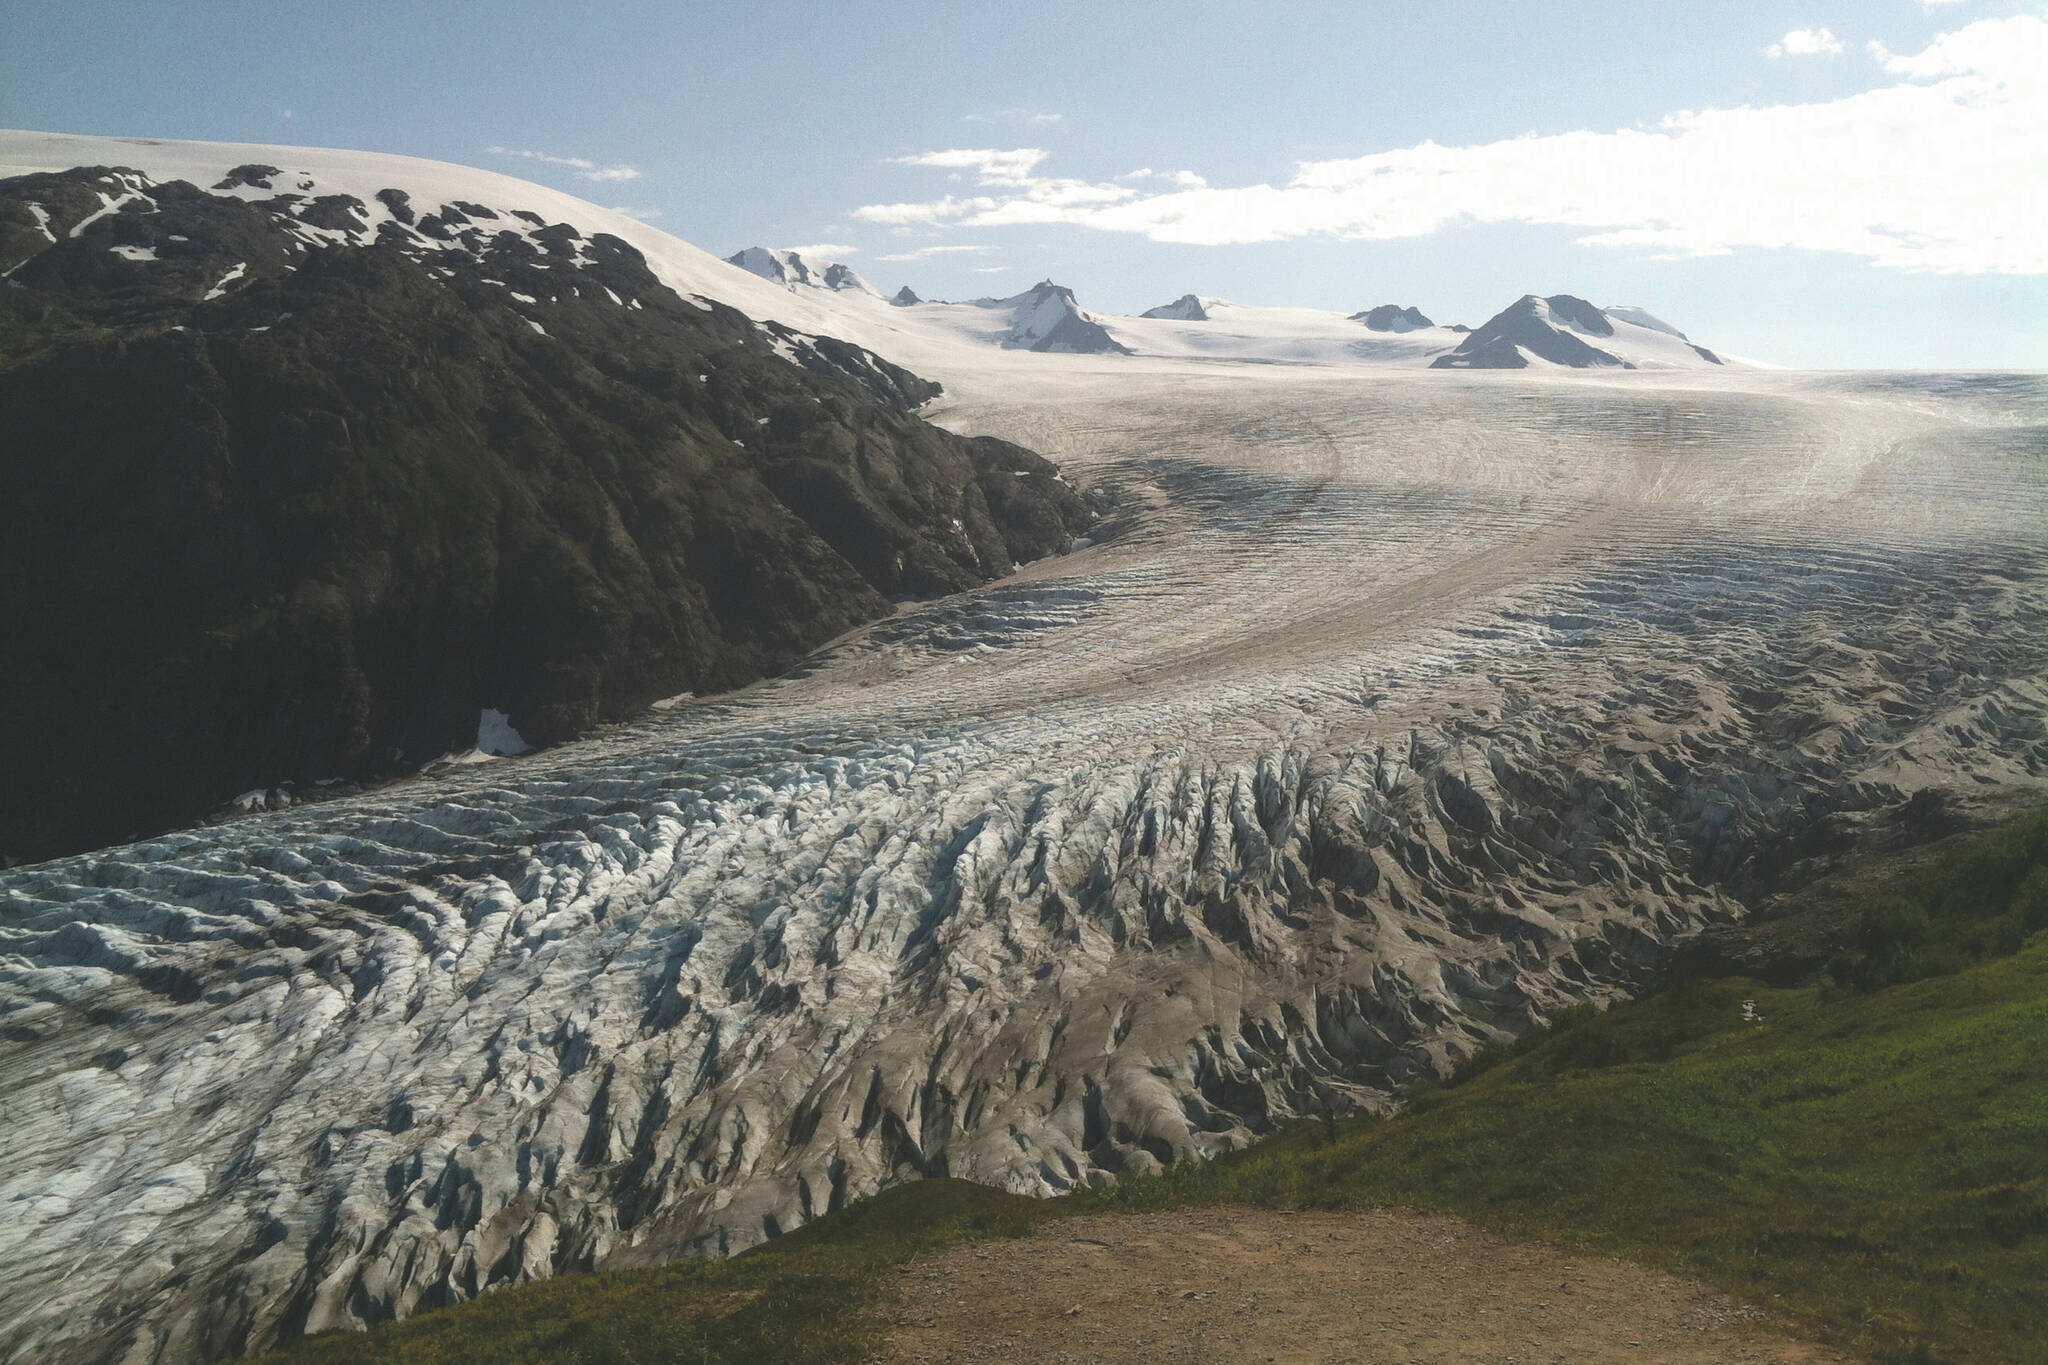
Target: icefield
x,y
1391,711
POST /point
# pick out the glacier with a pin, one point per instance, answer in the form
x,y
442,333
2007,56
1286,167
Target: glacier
x,y
1397,717
1392,711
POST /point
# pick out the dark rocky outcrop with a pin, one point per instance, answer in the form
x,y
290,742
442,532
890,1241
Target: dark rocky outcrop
x,y
275,508
1078,335
1579,315
1389,317
838,277
252,174
1531,324
905,296
1186,308
790,270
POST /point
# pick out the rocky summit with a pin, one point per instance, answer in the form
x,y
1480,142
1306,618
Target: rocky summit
x,y
287,499
1186,308
1555,330
1392,317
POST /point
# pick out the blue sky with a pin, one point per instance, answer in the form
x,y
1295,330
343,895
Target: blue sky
x,y
1845,184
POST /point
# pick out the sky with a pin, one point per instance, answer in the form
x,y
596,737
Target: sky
x,y
1803,182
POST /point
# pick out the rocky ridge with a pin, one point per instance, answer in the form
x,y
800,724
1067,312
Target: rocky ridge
x,y
1555,329
1186,308
1046,318
298,485
790,270
1389,317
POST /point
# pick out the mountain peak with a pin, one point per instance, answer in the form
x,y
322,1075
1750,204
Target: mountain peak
x,y
1533,325
1186,308
1045,317
790,270
1554,327
1575,313
1391,317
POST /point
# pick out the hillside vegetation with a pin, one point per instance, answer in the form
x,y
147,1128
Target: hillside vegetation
x,y
1867,1152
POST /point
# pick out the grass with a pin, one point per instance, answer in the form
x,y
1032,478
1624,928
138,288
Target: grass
x,y
1876,1164
1868,1153
798,1299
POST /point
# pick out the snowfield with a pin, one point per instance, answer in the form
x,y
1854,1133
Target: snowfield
x,y
1395,709
814,296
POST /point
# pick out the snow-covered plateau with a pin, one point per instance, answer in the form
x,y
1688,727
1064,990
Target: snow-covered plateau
x,y
1399,708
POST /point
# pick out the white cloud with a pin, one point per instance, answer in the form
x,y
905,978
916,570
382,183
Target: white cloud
x,y
583,166
994,166
1939,170
932,212
1993,46
824,251
1011,168
1806,42
925,252
644,215
1012,116
1185,179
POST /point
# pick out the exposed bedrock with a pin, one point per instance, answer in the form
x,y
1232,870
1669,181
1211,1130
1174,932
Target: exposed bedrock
x,y
286,500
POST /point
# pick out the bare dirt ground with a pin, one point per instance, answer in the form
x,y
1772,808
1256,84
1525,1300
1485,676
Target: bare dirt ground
x,y
1256,1285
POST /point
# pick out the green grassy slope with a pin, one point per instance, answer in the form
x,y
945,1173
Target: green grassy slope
x,y
1876,1164
798,1299
1869,1152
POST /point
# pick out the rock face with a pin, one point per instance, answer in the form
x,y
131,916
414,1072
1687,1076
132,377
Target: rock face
x,y
288,498
905,296
1186,308
1046,318
1556,329
791,270
1390,317
1550,328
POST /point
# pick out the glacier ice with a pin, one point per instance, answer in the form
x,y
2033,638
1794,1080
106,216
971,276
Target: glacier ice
x,y
1398,714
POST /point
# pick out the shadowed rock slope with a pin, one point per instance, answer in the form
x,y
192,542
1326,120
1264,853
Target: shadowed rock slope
x,y
285,500
1186,308
1391,317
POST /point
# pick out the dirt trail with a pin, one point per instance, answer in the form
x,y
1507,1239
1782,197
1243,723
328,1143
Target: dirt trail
x,y
1227,1285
